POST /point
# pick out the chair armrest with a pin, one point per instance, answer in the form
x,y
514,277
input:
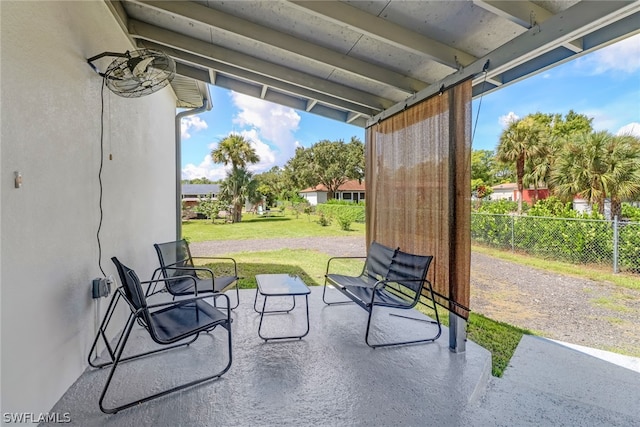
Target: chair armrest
x,y
189,300
235,265
381,284
194,269
342,257
162,279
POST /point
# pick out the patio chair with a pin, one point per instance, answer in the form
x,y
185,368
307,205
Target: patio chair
x,y
170,324
390,278
176,262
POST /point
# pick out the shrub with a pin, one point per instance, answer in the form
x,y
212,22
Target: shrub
x,y
324,220
345,218
630,213
499,207
209,207
340,208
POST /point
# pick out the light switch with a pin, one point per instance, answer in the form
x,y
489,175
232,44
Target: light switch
x,y
18,179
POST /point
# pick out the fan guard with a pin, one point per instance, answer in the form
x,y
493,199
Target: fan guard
x,y
140,72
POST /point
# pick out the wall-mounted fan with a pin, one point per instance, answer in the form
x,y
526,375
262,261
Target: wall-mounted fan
x,y
137,73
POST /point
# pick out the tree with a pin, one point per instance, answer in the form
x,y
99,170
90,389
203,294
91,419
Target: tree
x,y
555,130
330,163
273,185
202,180
238,187
483,166
236,151
520,142
596,166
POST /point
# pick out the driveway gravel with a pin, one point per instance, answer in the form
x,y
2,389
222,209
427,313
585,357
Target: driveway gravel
x,y
580,311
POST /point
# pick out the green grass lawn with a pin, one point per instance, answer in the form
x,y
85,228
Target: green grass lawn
x,y
258,227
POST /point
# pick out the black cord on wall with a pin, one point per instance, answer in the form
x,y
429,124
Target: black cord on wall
x,y
100,176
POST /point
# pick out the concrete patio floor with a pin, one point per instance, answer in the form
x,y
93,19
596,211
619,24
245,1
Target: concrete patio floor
x,y
329,378
332,378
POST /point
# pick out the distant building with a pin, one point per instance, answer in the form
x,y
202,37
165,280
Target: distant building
x,y
509,191
192,193
504,192
353,191
582,206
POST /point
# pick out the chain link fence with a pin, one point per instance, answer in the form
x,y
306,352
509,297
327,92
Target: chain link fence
x,y
578,241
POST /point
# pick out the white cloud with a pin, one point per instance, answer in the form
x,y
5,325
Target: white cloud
x,y
191,123
206,169
274,126
623,56
507,119
264,151
630,129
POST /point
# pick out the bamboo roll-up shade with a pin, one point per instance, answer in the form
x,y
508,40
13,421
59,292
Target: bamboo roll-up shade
x,y
418,172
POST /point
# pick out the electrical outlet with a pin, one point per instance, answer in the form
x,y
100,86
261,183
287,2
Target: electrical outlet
x,y
101,286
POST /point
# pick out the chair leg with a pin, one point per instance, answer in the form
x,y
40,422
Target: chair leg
x,y
118,359
324,290
102,333
237,296
397,343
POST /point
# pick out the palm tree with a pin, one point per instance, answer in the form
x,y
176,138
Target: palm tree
x,y
624,170
519,143
236,151
238,187
596,166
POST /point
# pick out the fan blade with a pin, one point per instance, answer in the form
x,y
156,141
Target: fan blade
x,y
141,67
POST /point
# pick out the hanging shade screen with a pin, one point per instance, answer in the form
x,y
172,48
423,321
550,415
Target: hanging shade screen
x,y
418,171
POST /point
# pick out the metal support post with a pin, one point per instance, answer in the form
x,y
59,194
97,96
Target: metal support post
x,y
615,244
457,333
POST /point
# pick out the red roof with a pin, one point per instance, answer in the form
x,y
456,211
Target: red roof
x,y
352,185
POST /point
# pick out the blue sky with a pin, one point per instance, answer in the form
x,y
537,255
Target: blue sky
x,y
604,85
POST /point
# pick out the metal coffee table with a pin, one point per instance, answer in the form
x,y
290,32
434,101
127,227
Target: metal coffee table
x,y
280,285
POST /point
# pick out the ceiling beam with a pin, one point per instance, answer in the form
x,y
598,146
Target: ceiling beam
x,y
261,34
239,60
310,104
221,68
195,73
580,20
524,13
387,32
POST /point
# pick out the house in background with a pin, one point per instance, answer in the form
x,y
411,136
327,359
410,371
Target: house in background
x,y
352,191
509,191
581,205
192,193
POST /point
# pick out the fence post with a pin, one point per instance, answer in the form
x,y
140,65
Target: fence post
x,y
513,240
615,244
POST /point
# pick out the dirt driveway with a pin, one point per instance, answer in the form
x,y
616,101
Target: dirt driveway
x,y
579,311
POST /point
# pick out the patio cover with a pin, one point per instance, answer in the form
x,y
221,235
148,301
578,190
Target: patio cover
x,y
352,60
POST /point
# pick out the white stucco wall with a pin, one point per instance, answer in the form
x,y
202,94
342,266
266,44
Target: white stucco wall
x,y
315,197
50,121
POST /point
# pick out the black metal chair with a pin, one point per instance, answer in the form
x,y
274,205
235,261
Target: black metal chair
x,y
390,278
171,324
176,262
